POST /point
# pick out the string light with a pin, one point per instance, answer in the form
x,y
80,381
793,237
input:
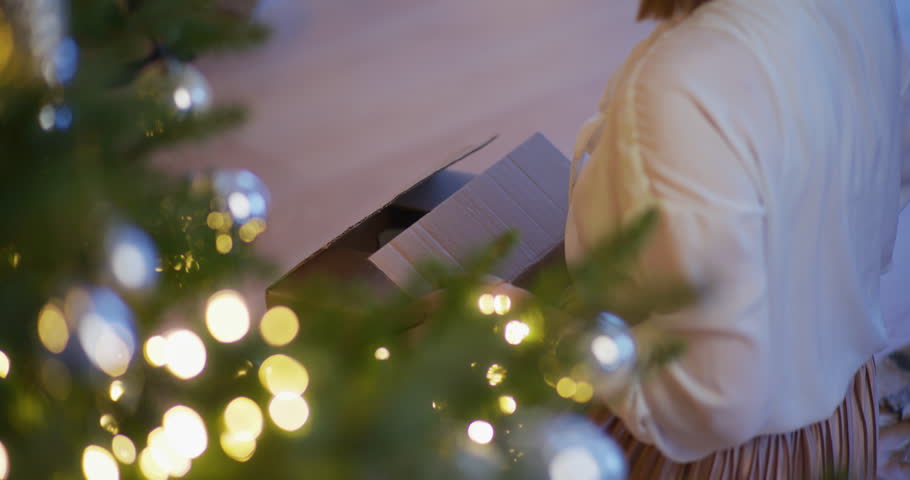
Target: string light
x,y
282,374
566,387
496,374
217,221
185,431
243,417
486,304
117,390
502,304
238,446
279,326
150,467
184,354
480,432
4,365
382,353
165,457
516,331
52,328
289,411
224,243
584,392
155,351
123,449
507,404
227,316
109,424
99,464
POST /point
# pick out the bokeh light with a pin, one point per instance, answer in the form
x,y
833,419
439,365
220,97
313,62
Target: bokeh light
x,y
605,350
382,353
117,390
4,462
502,304
99,464
243,416
53,331
282,374
4,365
185,431
566,387
227,316
150,467
132,256
496,374
105,326
614,347
238,446
507,404
584,392
184,354
165,456
289,411
481,432
155,351
279,326
56,378
109,424
574,463
217,221
486,304
516,331
242,194
124,449
191,90
224,243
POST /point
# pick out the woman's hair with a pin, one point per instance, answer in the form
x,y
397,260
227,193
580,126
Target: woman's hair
x,y
665,9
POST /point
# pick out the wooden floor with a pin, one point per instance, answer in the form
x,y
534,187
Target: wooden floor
x,y
353,100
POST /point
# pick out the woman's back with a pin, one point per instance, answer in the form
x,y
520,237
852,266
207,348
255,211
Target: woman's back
x,y
768,131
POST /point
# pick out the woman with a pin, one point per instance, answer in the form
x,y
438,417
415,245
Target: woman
x,y
768,134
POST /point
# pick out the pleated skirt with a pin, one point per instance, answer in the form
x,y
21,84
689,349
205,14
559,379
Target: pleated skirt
x,y
842,447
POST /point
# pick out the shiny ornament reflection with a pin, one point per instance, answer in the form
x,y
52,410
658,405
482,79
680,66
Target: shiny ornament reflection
x,y
191,91
612,346
132,257
573,448
105,329
242,194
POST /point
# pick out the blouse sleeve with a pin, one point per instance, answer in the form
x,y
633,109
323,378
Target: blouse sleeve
x,y
660,148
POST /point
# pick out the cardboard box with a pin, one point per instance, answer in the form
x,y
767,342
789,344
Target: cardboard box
x,y
448,216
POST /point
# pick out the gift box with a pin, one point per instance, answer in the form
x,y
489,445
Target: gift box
x,y
447,216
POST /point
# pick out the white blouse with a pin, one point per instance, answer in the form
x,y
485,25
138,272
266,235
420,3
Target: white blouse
x,y
769,134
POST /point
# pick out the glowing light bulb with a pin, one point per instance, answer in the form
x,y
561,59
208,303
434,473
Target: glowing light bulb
x,y
185,354
150,466
238,446
480,432
117,390
282,374
279,326
486,304
99,464
123,449
185,431
4,462
516,331
288,411
155,351
4,365
243,416
53,331
502,304
227,316
164,455
182,98
566,387
382,353
507,404
496,374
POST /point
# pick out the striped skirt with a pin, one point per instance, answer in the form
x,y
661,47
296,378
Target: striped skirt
x,y
844,444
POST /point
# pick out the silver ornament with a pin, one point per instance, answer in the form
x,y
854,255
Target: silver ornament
x,y
191,91
612,347
132,257
241,194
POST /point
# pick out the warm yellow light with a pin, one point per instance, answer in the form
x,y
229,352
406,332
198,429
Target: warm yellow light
x,y
282,374
516,331
289,411
4,462
156,351
243,416
279,326
184,354
224,243
566,387
117,390
185,431
164,455
507,404
382,353
238,446
227,316
496,374
150,467
480,432
99,464
584,392
248,232
215,220
109,424
486,304
502,304
4,365
108,347
52,328
124,449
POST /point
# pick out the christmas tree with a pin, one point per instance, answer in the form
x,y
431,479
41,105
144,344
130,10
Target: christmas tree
x,y
126,351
